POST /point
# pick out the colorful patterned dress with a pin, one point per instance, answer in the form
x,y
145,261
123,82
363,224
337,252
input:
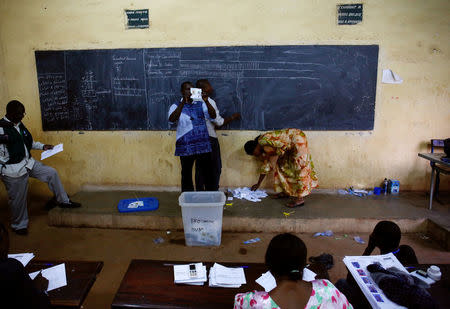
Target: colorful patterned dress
x,y
324,295
294,172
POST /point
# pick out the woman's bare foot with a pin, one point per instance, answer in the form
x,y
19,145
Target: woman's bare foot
x,y
278,195
296,202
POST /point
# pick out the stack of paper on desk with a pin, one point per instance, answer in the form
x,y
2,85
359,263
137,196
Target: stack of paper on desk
x,y
227,277
23,258
183,275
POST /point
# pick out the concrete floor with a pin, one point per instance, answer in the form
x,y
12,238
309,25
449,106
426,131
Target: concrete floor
x,y
117,247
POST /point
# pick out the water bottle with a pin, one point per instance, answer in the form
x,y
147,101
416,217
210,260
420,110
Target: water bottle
x,y
385,186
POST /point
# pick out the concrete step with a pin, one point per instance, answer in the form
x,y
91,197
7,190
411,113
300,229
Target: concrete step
x,y
322,211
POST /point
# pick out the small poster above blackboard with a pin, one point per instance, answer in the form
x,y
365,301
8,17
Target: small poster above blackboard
x,y
349,14
137,19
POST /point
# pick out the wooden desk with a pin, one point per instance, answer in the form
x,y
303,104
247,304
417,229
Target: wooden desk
x,y
433,158
441,289
149,284
81,276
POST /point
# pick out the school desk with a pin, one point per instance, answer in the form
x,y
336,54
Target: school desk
x,y
80,275
434,158
441,289
149,284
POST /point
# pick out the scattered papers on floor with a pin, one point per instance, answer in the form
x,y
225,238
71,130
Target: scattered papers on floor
x,y
23,258
268,282
357,192
51,152
185,275
55,275
252,241
248,194
226,277
357,265
326,233
359,240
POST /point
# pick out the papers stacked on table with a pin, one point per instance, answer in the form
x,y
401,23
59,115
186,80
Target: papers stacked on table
x,y
55,275
226,277
23,258
193,274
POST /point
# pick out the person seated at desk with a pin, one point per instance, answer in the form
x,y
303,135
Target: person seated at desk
x,y
286,259
17,290
385,236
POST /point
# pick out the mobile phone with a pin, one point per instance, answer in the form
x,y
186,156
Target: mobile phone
x,y
192,271
422,273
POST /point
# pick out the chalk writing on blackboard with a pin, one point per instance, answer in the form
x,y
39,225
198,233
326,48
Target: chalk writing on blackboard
x,y
311,87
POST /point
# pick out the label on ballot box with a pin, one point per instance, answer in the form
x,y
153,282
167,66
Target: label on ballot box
x,y
202,217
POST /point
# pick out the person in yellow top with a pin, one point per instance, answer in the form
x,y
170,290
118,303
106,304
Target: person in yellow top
x,y
286,153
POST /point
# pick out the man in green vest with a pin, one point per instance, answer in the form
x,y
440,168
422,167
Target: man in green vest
x,y
17,165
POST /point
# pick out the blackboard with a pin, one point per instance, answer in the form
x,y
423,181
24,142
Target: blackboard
x,y
310,87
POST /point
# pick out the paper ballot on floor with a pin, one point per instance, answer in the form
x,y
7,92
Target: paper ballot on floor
x,y
51,152
227,277
55,275
183,274
23,258
357,265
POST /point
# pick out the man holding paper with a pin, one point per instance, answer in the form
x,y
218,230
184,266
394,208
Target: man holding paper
x,y
17,165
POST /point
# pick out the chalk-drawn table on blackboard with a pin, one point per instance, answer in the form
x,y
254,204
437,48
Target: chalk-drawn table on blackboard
x,y
310,87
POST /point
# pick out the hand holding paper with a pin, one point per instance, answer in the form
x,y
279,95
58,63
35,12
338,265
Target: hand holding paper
x,y
51,152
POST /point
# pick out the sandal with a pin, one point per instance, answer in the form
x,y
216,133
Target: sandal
x,y
294,204
278,195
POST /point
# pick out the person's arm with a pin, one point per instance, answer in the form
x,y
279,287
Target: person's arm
x,y
261,178
175,115
370,246
211,110
227,120
3,137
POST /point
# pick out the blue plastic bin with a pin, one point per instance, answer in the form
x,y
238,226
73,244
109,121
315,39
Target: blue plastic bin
x,y
149,203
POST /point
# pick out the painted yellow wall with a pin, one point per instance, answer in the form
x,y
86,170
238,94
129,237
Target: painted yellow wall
x,y
413,36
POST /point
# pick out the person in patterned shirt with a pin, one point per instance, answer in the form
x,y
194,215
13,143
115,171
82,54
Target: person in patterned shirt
x,y
286,259
286,153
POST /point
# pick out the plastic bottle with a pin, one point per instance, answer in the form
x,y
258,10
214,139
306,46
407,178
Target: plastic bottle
x,y
385,186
